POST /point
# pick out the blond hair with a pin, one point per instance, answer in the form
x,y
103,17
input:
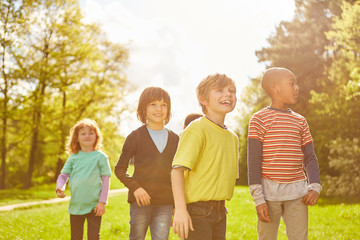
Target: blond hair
x,y
73,145
210,82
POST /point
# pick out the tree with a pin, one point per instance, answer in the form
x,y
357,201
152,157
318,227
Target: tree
x,y
252,99
300,45
337,106
11,15
65,70
344,158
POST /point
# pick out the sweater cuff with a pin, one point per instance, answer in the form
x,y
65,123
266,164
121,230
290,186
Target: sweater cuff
x,y
133,186
316,187
256,191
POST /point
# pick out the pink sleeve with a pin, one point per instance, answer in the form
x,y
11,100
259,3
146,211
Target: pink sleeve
x,y
104,189
61,181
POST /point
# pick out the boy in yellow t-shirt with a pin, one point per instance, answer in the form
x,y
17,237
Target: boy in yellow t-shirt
x,y
205,166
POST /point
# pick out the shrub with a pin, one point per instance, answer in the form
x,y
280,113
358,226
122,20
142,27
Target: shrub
x,y
344,158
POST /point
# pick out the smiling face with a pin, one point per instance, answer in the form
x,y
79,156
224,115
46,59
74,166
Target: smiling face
x,y
220,100
87,138
150,99
156,113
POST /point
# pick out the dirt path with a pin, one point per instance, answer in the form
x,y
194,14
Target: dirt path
x,y
54,200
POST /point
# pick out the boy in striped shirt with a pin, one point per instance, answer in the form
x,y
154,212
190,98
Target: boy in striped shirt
x,y
280,146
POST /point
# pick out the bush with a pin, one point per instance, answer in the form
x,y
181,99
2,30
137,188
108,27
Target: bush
x,y
344,158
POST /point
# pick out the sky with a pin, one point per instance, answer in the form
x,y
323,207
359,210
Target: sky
x,y
174,44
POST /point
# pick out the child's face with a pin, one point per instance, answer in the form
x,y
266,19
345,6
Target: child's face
x,y
86,138
156,112
287,88
221,100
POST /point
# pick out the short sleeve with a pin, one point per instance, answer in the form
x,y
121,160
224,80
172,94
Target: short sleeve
x,y
104,164
68,166
189,148
305,134
256,128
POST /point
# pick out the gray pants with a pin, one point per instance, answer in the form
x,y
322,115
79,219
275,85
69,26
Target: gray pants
x,y
295,217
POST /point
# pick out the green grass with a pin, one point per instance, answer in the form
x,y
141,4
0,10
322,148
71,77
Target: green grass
x,y
43,192
334,221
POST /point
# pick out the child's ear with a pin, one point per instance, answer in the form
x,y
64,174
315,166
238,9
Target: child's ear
x,y
274,89
202,101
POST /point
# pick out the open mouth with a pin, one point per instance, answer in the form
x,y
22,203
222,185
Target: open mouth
x,y
226,102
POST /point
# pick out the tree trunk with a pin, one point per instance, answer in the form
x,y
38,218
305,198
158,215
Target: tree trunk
x,y
35,135
34,142
60,161
4,120
3,154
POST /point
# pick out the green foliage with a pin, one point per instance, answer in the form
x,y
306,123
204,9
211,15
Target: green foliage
x,y
61,70
344,158
336,106
321,46
252,99
299,46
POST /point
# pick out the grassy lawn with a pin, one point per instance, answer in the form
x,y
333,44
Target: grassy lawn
x,y
43,192
337,221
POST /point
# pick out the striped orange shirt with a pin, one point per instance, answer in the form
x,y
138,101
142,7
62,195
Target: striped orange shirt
x,y
282,134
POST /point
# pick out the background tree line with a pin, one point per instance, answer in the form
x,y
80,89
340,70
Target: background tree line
x,y
321,45
54,70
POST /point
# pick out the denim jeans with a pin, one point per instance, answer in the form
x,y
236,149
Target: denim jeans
x,y
158,217
77,226
208,219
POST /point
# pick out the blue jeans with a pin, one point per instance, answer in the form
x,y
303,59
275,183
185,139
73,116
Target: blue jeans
x,y
158,217
208,219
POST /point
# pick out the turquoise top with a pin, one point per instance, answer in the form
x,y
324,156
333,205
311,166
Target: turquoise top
x,y
85,171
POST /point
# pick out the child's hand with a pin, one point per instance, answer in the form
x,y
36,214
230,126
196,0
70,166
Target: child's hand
x,y
142,197
263,212
60,193
182,223
99,209
310,198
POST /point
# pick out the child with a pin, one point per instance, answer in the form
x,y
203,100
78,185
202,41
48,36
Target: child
x,y
89,172
152,148
191,117
205,166
279,146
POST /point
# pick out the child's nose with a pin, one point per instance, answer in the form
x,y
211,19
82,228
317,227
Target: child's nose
x,y
227,92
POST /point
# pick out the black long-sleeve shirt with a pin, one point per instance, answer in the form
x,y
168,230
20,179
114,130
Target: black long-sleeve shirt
x,y
151,168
